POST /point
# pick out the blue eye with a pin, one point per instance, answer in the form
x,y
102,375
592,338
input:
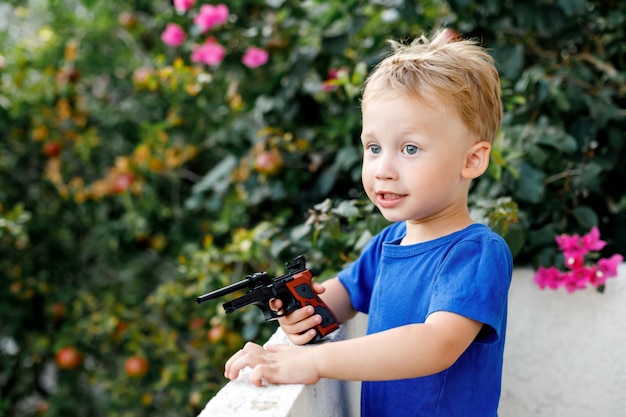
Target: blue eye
x,y
411,149
375,149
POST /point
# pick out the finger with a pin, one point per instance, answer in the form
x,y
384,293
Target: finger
x,y
302,325
260,374
302,338
297,316
247,356
276,304
318,288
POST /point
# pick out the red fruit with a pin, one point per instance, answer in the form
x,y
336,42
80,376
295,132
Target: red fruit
x,y
216,333
58,311
120,329
136,366
127,20
52,149
42,407
122,183
196,323
68,357
268,162
194,399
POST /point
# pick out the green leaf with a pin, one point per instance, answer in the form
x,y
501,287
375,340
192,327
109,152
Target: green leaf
x,y
217,178
346,209
335,44
515,238
572,7
530,186
511,60
585,216
89,4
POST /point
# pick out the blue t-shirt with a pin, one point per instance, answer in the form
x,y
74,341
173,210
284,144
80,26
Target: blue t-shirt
x,y
468,273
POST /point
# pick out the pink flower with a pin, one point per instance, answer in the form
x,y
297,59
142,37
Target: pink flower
x,y
255,57
211,16
182,6
334,74
579,274
592,241
570,245
173,35
579,278
210,53
574,261
548,277
598,278
608,266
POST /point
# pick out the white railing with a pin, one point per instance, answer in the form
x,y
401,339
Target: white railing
x,y
564,357
327,398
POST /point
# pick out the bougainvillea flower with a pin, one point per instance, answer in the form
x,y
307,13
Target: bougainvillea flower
x,y
574,261
548,277
210,53
592,241
210,16
579,278
598,278
334,74
173,35
579,274
608,266
570,245
183,5
255,57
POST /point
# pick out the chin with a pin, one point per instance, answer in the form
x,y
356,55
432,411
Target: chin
x,y
392,217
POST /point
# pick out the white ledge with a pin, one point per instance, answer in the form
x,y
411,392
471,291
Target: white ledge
x,y
564,357
327,398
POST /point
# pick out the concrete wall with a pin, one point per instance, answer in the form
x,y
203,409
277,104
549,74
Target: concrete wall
x,y
327,398
565,357
565,354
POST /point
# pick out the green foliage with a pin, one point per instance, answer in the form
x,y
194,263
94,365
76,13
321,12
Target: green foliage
x,y
133,180
562,66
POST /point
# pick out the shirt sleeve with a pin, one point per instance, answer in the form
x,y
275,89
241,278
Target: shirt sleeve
x,y
473,281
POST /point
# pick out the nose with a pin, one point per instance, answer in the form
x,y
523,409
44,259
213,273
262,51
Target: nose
x,y
386,168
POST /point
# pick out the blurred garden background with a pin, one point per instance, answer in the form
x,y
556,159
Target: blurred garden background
x,y
151,152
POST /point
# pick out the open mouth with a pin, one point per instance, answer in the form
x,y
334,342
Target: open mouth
x,y
389,200
389,196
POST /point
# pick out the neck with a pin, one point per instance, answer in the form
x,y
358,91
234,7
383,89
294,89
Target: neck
x,y
418,231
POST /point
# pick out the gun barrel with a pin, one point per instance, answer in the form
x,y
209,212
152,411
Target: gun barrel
x,y
223,291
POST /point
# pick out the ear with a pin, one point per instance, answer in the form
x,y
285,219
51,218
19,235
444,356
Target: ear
x,y
477,160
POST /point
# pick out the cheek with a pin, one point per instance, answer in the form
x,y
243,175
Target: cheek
x,y
366,173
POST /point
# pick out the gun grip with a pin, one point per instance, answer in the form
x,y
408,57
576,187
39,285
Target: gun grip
x,y
302,290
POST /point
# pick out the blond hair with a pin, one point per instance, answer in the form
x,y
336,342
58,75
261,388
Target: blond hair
x,y
458,72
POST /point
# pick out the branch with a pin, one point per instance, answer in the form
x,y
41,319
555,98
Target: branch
x,y
564,174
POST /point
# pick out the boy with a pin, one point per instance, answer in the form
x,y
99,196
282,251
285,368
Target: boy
x,y
434,283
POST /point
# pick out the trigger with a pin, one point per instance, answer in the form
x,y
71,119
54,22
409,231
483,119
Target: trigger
x,y
276,309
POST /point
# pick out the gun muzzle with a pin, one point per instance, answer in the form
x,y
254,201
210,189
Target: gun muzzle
x,y
223,291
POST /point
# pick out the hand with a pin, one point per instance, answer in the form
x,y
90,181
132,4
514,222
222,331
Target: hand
x,y
299,324
278,364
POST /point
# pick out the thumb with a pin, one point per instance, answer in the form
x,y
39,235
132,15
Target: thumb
x,y
318,288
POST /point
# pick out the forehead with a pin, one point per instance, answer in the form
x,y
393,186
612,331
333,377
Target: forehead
x,y
398,116
405,105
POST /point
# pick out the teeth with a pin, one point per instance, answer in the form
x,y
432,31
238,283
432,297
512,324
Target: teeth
x,y
391,196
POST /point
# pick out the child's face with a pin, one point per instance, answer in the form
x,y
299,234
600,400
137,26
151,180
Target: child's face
x,y
413,157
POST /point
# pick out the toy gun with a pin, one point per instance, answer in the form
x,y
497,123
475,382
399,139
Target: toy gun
x,y
294,289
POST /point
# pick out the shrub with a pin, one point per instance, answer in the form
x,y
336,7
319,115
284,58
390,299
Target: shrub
x,y
133,180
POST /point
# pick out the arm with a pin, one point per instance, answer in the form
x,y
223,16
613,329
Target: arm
x,y
403,352
298,325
